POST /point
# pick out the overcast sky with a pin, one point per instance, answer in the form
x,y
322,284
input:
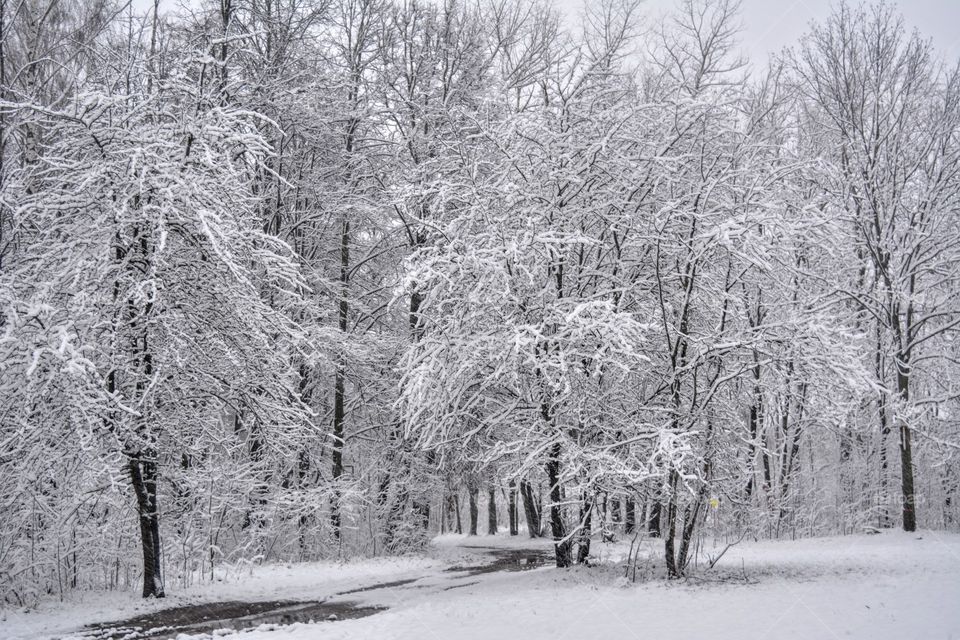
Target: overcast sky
x,y
770,25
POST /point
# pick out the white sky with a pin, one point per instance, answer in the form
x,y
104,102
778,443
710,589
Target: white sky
x,y
770,25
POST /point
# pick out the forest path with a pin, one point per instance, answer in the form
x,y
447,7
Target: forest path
x,y
377,597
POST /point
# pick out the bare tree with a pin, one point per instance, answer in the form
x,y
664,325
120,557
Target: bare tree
x,y
893,117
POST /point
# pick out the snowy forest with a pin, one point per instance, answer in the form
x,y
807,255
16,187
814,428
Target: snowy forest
x,y
304,280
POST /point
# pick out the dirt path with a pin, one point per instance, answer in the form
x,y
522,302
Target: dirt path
x,y
205,618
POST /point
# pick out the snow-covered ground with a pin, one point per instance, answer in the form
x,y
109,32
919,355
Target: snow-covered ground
x,y
313,581
893,585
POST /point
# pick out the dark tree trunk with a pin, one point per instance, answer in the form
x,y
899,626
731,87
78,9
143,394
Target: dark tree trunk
x,y
383,491
653,524
473,492
456,504
756,427
512,508
531,509
303,468
604,514
492,511
416,324
586,521
337,448
885,520
670,532
561,545
906,452
446,522
630,517
143,477
792,455
691,516
444,514
949,489
421,507
226,14
142,462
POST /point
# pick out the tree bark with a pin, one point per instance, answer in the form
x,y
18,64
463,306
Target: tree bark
x,y
630,516
473,492
906,453
337,455
756,428
226,14
884,519
615,516
456,504
531,510
653,524
143,477
671,529
512,508
492,511
448,511
792,454
586,521
303,468
691,516
561,545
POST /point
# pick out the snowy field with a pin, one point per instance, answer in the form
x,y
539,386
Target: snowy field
x,y
893,585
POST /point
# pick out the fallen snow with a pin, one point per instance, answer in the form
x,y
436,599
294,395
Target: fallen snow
x,y
301,581
892,585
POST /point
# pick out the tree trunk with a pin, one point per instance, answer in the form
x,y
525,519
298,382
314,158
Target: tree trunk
x,y
226,14
884,519
492,511
337,454
561,546
906,453
449,508
143,477
142,462
792,454
303,468
671,529
586,521
949,489
756,429
630,517
473,492
339,382
531,510
456,503
691,516
512,508
653,524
